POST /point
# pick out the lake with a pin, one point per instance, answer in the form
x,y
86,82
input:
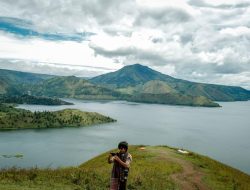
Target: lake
x,y
220,133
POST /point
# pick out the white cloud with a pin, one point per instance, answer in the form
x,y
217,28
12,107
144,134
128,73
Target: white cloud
x,y
193,39
161,4
51,68
231,79
238,31
65,52
68,15
225,2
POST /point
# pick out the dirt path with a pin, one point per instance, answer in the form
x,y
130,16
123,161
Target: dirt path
x,y
189,178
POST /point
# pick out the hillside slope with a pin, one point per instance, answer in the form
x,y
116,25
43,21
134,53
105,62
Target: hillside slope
x,y
136,78
131,75
12,82
153,168
173,99
23,77
132,83
72,87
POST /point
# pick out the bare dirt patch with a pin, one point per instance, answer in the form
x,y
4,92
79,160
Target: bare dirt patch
x,y
189,178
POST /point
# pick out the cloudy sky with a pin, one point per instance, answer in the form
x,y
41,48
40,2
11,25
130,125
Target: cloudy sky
x,y
198,40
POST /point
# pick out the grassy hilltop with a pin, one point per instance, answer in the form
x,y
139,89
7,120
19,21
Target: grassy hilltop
x,y
154,168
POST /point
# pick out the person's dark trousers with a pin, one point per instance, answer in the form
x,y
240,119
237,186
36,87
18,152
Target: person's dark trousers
x,y
122,185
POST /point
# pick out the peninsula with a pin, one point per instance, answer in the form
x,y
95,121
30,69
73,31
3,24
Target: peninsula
x,y
13,118
35,100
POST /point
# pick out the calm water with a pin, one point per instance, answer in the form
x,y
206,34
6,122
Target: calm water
x,y
220,133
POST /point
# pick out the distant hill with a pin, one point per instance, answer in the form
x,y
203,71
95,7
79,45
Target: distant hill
x,y
132,83
12,82
130,76
12,118
72,87
134,79
28,99
152,168
19,83
173,99
23,77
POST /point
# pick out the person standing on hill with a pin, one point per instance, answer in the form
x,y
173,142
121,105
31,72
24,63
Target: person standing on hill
x,y
121,164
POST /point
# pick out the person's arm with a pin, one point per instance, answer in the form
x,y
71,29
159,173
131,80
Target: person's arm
x,y
124,164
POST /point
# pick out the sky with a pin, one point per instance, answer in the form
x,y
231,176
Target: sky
x,y
198,40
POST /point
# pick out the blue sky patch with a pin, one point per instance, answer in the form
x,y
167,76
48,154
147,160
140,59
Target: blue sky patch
x,y
22,28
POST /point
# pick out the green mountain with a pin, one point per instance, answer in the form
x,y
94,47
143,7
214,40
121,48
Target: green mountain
x,y
22,77
132,83
130,76
151,87
215,92
134,79
12,82
72,87
152,168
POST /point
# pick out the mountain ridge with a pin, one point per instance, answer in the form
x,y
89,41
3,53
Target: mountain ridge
x,y
72,87
140,74
211,91
135,83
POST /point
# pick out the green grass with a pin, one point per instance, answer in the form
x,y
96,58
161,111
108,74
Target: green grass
x,y
148,171
151,169
217,175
